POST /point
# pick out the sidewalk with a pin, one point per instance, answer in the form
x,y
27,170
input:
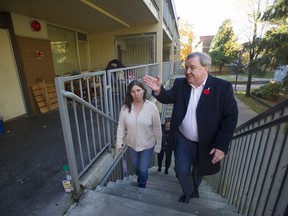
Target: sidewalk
x,y
32,152
245,113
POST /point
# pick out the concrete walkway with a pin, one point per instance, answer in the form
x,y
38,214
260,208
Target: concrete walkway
x,y
32,153
245,113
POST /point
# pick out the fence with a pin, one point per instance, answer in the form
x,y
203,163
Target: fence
x,y
89,107
254,173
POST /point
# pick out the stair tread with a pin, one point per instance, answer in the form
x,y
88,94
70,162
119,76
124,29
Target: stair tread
x,y
166,200
160,197
171,184
105,204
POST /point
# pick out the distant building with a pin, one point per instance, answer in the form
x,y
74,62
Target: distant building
x,y
280,72
203,44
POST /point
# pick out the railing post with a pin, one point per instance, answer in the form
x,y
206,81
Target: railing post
x,y
63,110
108,104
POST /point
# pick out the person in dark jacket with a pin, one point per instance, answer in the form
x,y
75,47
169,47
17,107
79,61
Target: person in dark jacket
x,y
203,120
166,147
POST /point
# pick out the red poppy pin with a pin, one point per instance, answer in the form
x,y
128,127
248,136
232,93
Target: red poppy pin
x,y
206,91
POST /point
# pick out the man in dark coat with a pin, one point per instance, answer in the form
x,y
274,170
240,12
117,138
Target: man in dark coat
x,y
203,120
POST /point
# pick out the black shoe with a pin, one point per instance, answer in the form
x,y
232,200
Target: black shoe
x,y
196,194
159,169
185,199
166,171
182,198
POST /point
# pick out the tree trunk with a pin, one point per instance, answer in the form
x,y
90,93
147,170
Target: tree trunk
x,y
248,87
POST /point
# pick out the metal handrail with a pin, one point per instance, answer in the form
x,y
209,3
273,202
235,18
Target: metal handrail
x,y
91,102
254,173
87,105
264,114
116,171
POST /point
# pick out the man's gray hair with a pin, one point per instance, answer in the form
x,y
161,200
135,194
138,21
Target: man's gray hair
x,y
205,59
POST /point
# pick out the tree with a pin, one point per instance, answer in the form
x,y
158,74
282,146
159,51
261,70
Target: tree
x,y
268,49
276,39
186,38
255,48
224,47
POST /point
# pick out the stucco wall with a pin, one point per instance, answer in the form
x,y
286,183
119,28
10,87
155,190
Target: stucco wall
x,y
11,100
22,27
102,44
31,43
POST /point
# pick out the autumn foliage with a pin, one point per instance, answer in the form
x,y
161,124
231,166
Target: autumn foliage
x,y
186,38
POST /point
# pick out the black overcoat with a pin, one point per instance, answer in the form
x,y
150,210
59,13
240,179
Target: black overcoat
x,y
217,115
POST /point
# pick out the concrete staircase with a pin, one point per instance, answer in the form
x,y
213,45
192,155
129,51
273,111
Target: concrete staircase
x,y
160,197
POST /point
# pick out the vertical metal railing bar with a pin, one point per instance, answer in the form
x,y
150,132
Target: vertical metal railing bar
x,y
267,178
230,163
235,171
85,131
239,167
113,86
231,170
101,81
259,180
273,160
223,176
275,181
281,201
97,104
239,188
77,130
245,167
99,118
95,101
225,169
116,90
255,171
84,118
249,175
265,169
108,109
66,127
91,113
256,154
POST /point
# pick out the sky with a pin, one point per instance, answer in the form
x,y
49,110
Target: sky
x,y
208,15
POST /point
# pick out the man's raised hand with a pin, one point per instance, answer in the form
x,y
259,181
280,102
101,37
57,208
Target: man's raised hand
x,y
153,83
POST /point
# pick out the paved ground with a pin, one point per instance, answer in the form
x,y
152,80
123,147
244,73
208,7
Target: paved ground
x,y
32,153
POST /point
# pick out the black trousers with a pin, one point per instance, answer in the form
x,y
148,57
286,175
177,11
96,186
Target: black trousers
x,y
168,156
186,164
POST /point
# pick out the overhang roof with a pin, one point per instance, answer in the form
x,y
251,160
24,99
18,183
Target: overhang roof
x,y
77,14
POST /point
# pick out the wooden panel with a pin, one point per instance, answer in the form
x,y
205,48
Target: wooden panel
x,y
45,100
35,68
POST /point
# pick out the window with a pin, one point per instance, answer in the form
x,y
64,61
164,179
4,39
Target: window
x,y
69,56
133,50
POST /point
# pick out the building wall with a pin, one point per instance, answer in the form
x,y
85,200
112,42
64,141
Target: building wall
x,y
11,100
22,27
102,48
35,53
30,43
35,68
